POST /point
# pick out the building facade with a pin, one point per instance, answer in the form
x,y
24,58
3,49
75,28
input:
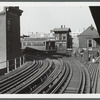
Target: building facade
x,y
10,46
63,39
87,42
87,38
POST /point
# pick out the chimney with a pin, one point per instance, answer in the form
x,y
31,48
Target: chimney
x,y
51,31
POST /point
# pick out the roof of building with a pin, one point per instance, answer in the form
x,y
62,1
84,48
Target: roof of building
x,y
90,31
11,8
62,29
95,12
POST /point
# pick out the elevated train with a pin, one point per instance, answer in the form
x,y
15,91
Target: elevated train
x,y
46,45
39,44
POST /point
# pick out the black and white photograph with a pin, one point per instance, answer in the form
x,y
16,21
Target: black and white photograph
x,y
49,48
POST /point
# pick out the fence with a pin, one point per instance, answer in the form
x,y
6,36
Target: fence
x,y
12,64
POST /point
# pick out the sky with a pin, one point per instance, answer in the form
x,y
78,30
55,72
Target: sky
x,y
45,18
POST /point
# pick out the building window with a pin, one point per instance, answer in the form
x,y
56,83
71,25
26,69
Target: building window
x,y
64,45
24,43
43,43
89,43
56,45
64,38
9,24
57,38
60,37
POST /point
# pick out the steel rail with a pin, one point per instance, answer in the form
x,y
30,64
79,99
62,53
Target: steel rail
x,y
75,82
85,87
17,71
17,80
18,76
68,78
64,77
47,65
51,80
58,83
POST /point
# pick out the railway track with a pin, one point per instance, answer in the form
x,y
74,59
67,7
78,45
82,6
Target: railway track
x,y
52,80
79,80
34,81
93,71
73,79
64,80
62,75
14,81
74,82
86,86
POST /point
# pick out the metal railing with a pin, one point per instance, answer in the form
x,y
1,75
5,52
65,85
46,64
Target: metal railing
x,y
12,64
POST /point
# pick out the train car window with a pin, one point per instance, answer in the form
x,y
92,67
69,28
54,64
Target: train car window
x,y
24,43
28,44
32,43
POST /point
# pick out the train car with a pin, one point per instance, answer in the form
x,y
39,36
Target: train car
x,y
43,44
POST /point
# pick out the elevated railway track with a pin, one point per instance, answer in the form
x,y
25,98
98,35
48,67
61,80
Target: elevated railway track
x,y
50,76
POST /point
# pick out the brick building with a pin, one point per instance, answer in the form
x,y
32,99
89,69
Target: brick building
x,y
63,39
10,33
87,41
87,38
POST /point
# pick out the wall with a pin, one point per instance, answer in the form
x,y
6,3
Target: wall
x,y
13,36
82,42
2,40
60,42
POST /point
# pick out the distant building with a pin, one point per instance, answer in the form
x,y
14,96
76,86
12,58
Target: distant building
x,y
35,35
63,39
10,33
41,35
75,38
